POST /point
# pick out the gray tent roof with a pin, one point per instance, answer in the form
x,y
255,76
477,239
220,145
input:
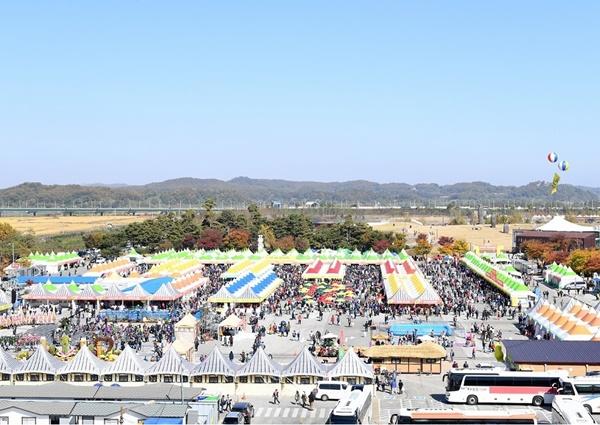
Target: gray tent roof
x,y
41,362
84,362
171,363
305,364
260,364
351,365
128,363
215,364
8,363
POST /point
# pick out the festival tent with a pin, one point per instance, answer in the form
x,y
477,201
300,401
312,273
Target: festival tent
x,y
215,364
171,363
8,364
560,224
405,284
84,362
40,362
561,276
260,365
128,363
304,364
117,266
325,270
165,293
236,269
291,256
351,365
514,288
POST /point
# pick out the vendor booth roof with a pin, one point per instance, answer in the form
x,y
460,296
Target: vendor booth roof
x,y
41,362
8,363
351,365
127,363
260,364
304,364
171,363
425,350
232,321
215,364
84,362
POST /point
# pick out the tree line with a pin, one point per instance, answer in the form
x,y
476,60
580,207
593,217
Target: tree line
x,y
234,230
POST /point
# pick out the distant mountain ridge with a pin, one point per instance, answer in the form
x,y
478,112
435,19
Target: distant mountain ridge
x,y
193,191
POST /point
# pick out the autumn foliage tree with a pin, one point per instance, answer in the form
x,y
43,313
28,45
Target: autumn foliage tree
x,y
286,243
381,245
210,239
237,239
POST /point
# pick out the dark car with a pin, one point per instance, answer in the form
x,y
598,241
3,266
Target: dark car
x,y
359,387
233,418
246,409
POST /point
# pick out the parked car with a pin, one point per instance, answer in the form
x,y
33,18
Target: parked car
x,y
246,409
332,390
233,418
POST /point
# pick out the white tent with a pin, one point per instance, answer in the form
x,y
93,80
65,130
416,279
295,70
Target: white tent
x,y
560,224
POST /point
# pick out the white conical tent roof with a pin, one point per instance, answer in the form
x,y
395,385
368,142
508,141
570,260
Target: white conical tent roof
x,y
88,293
560,224
8,364
260,364
41,362
137,292
112,293
351,365
84,362
171,363
165,291
304,364
215,364
127,363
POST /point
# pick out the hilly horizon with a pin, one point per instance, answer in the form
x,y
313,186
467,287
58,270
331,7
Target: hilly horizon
x,y
189,190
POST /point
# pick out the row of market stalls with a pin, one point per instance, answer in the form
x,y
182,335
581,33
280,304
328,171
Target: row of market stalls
x,y
309,256
320,270
116,288
405,284
53,263
129,367
252,282
575,322
561,276
511,286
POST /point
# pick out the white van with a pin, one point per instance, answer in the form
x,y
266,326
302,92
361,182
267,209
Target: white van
x,y
568,410
332,390
584,389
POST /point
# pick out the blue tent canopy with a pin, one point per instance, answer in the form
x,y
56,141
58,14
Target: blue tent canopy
x,y
152,285
421,329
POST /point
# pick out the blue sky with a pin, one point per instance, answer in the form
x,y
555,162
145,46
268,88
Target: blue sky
x,y
441,92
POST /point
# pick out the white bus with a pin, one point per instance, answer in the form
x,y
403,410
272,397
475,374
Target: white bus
x,y
535,388
455,416
586,390
568,410
353,409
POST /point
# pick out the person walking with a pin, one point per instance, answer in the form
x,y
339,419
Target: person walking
x,y
297,397
276,397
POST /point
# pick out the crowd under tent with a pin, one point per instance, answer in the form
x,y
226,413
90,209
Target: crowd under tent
x,y
231,325
515,289
171,368
41,366
260,369
352,369
128,367
249,287
215,369
304,369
